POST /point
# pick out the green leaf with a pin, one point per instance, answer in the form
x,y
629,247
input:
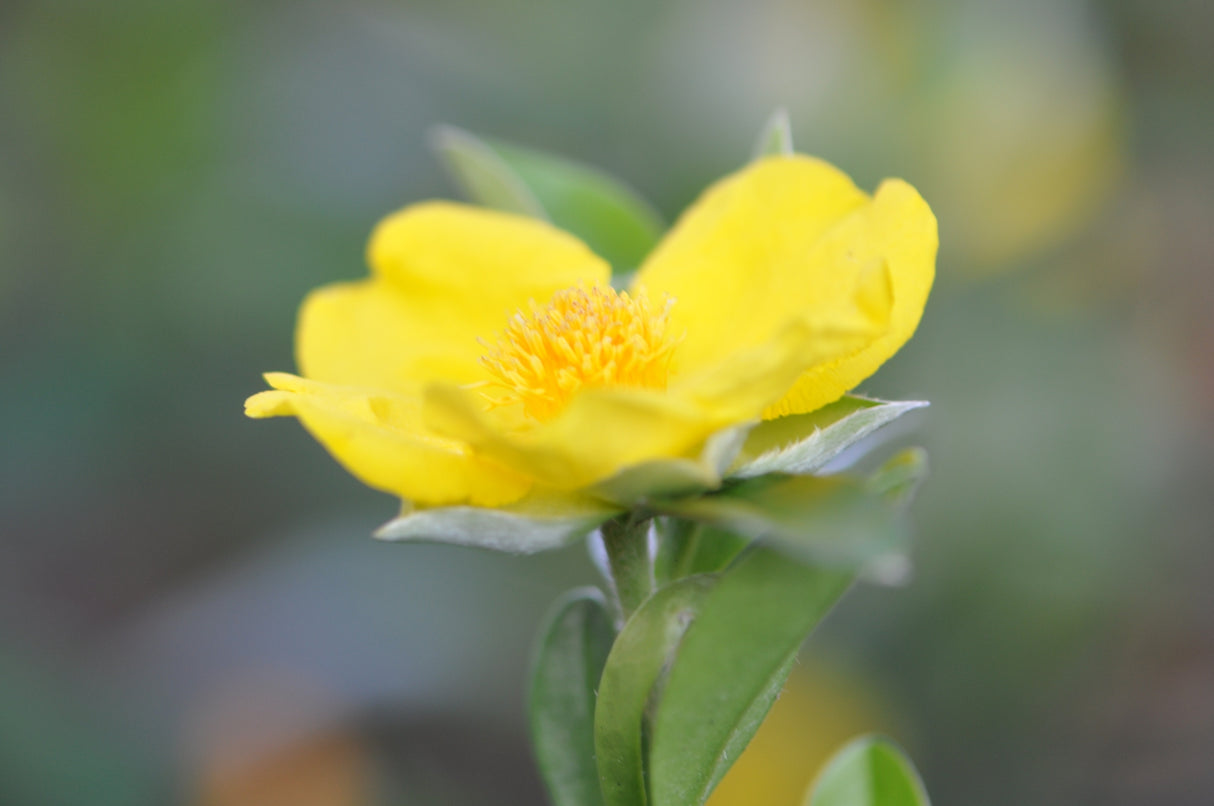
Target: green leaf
x,y
729,666
533,524
833,520
776,137
804,443
482,174
869,771
641,652
565,674
612,218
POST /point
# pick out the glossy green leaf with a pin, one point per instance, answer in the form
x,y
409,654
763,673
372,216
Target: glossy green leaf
x,y
832,520
482,174
641,652
612,218
776,137
534,524
805,443
870,771
729,666
565,675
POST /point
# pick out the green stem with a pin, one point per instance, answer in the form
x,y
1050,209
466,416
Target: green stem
x,y
629,566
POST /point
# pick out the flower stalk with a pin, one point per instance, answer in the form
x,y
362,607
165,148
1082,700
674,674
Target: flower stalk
x,y
629,566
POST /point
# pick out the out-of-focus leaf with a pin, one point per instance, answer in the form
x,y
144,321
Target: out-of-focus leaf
x,y
534,524
804,443
482,174
641,651
776,137
729,667
899,478
869,771
832,520
565,675
612,218
55,749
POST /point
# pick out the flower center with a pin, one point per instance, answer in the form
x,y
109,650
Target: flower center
x,y
583,338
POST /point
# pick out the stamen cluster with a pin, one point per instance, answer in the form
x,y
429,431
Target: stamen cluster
x,y
582,338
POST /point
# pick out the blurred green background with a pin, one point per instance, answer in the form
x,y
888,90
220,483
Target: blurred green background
x,y
191,608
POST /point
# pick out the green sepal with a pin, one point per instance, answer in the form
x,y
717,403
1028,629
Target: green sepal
x,y
667,478
869,771
613,219
537,523
636,662
566,668
776,137
805,443
729,667
836,521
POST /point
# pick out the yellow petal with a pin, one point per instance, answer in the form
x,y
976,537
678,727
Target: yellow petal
x,y
746,383
735,262
378,439
604,430
444,276
598,433
790,238
898,228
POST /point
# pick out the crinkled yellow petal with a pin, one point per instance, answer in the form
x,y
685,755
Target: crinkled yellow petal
x,y
377,437
444,276
898,228
598,433
745,383
791,237
736,260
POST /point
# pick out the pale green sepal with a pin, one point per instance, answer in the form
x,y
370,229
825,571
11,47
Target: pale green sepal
x,y
869,771
836,521
729,666
640,654
534,524
669,478
482,174
565,674
776,137
805,443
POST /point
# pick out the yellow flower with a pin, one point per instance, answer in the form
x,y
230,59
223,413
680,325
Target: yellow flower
x,y
487,358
